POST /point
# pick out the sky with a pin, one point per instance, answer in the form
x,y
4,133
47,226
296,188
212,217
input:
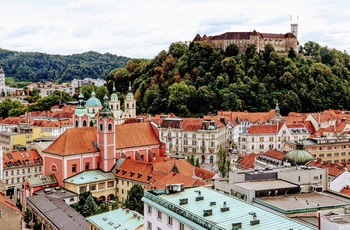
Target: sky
x,y
143,28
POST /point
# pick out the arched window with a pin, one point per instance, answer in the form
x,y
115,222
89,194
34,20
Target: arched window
x,y
111,107
53,168
101,127
109,126
76,123
84,123
132,105
127,105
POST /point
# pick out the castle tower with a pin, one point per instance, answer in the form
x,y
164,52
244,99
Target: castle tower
x,y
294,27
114,104
80,117
130,104
106,139
2,83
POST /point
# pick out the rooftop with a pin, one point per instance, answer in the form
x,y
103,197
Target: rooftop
x,y
60,214
89,176
303,202
217,211
117,219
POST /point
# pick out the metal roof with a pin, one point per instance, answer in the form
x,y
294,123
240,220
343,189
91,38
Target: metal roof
x,y
117,219
239,210
60,214
42,180
90,176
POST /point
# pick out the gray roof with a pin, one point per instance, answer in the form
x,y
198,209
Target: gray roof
x,y
60,214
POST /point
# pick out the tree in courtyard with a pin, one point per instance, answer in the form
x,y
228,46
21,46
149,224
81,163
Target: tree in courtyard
x,y
27,217
197,163
190,159
18,204
222,162
134,201
89,207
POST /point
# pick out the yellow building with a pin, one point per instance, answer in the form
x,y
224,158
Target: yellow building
x,y
20,136
101,184
329,149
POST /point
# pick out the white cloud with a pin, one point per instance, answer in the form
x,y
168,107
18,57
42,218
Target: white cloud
x,y
136,28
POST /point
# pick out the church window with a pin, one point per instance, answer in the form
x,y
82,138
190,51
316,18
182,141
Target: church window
x,y
76,123
101,127
87,166
132,105
109,126
111,107
53,168
127,105
84,123
74,168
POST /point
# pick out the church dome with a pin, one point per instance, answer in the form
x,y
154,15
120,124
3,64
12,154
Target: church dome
x,y
93,101
298,156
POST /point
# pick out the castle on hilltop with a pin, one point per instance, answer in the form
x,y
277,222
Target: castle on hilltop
x,y
282,43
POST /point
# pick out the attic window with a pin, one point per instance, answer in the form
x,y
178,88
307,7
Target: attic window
x,y
183,201
132,174
117,170
139,175
149,177
208,212
124,172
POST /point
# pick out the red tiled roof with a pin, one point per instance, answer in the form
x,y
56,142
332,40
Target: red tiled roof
x,y
266,129
247,161
136,170
333,169
346,190
127,136
5,201
13,120
175,178
135,134
31,155
274,154
74,141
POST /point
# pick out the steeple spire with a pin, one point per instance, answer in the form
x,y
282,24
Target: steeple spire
x,y
105,111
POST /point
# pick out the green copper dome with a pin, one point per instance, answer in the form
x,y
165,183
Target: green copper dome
x,y
298,156
93,101
81,109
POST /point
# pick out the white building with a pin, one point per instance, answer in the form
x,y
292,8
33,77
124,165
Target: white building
x,y
202,208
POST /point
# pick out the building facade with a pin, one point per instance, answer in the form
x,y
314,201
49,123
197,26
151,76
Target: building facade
x,y
282,43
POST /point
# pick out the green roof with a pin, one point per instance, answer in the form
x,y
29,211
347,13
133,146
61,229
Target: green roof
x,y
194,212
89,177
42,180
117,219
93,101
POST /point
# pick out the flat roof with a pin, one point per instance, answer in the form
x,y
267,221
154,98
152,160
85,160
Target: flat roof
x,y
301,201
193,212
264,185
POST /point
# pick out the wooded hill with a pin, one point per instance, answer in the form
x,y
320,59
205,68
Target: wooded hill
x,y
35,67
195,80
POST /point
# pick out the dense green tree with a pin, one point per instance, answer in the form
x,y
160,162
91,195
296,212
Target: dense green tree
x,y
134,201
89,206
222,162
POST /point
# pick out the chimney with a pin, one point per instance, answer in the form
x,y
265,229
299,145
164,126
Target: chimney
x,y
110,207
119,205
135,214
127,210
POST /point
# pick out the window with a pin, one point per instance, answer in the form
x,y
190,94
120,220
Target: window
x,y
12,173
181,226
18,180
315,177
92,187
110,184
299,178
74,168
23,171
109,126
261,139
159,215
149,209
35,169
170,221
149,225
53,168
329,154
321,155
6,173
127,183
194,135
271,139
86,166
336,154
185,142
194,142
101,127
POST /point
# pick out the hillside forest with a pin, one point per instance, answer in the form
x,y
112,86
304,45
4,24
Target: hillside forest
x,y
192,80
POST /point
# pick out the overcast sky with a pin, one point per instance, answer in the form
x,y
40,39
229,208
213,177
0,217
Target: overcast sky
x,y
143,28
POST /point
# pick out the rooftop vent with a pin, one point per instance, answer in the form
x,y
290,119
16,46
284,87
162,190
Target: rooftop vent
x,y
208,212
199,197
255,220
336,218
212,203
104,218
225,208
183,201
110,223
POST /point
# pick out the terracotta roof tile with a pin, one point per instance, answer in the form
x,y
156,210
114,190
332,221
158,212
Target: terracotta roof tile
x,y
74,141
31,156
247,161
274,154
267,129
333,169
5,201
346,190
